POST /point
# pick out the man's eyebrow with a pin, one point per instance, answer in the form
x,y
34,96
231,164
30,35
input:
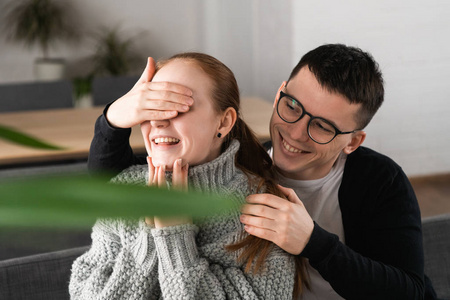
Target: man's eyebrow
x,y
328,120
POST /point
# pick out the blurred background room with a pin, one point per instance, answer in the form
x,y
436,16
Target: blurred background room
x,y
62,61
105,44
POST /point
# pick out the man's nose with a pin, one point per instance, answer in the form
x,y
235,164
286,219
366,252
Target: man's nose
x,y
299,130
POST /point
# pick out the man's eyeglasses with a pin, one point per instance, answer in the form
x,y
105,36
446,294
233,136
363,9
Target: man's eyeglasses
x,y
320,130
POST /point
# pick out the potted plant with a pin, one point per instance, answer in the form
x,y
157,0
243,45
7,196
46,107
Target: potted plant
x,y
82,91
41,23
114,57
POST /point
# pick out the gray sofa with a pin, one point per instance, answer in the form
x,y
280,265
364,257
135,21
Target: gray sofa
x,y
46,276
436,244
42,276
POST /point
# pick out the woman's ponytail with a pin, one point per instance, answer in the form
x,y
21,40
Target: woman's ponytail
x,y
253,160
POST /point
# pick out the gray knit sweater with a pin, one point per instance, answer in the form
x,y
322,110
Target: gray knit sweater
x,y
131,260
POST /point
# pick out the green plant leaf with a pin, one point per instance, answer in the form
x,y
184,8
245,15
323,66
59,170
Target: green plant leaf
x,y
76,201
20,138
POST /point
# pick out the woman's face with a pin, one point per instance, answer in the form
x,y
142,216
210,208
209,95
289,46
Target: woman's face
x,y
190,136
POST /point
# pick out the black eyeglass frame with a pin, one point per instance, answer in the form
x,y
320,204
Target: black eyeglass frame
x,y
311,117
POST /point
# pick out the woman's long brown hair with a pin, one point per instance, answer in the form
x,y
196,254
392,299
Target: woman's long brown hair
x,y
251,158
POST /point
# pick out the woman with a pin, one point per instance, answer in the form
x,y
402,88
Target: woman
x,y
213,150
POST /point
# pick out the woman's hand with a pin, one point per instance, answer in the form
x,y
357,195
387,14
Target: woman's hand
x,y
179,181
149,101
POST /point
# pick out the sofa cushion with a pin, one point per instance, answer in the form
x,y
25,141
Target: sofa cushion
x,y
42,276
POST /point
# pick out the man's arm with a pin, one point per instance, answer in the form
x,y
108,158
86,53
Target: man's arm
x,y
110,149
386,261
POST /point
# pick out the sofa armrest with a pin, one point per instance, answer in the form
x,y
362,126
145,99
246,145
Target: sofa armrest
x,y
41,276
436,246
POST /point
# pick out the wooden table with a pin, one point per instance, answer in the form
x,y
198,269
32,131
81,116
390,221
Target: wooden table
x,y
73,129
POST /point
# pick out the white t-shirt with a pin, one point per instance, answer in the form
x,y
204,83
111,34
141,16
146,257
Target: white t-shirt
x,y
320,198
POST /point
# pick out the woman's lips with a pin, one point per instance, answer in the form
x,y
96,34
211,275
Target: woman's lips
x,y
166,140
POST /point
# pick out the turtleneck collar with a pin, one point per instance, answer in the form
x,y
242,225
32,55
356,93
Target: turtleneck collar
x,y
209,177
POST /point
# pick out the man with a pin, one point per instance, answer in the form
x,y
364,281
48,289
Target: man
x,y
351,211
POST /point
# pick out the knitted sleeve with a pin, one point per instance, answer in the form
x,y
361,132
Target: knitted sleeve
x,y
187,273
121,264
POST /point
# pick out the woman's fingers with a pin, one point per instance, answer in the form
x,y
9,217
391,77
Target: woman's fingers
x,y
185,172
172,87
161,176
151,171
151,177
164,98
157,104
157,175
180,175
179,182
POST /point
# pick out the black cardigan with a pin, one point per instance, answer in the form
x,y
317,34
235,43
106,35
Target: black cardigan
x,y
383,255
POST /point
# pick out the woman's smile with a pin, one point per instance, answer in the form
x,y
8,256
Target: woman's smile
x,y
165,141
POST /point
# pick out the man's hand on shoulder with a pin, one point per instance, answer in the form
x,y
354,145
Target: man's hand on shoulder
x,y
283,222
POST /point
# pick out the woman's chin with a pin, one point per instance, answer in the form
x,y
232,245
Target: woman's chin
x,y
158,162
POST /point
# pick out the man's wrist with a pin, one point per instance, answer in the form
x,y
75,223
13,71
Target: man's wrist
x,y
320,244
110,132
105,114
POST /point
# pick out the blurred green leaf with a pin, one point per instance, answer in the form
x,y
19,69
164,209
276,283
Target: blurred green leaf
x,y
77,201
20,138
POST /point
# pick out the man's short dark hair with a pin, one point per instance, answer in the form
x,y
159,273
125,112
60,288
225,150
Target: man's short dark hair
x,y
350,72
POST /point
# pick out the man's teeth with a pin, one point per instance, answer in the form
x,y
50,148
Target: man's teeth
x,y
166,140
291,149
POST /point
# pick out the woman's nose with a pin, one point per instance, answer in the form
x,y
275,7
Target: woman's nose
x,y
160,123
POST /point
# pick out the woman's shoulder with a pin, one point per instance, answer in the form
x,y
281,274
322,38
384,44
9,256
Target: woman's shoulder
x,y
240,183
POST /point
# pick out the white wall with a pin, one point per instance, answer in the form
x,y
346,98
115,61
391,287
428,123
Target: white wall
x,y
410,40
261,41
160,28
243,34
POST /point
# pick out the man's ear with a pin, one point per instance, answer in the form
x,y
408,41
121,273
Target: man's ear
x,y
277,96
227,121
357,139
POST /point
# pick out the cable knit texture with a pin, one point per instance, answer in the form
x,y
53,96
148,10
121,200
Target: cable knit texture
x,y
131,260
